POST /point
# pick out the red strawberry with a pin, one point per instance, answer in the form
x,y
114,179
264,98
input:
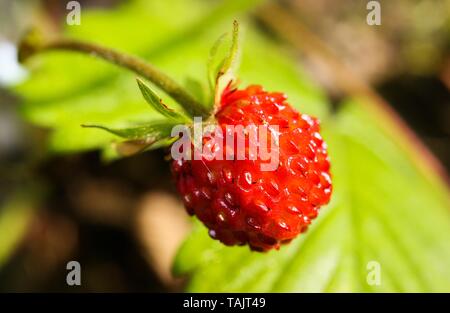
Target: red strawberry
x,y
239,203
235,199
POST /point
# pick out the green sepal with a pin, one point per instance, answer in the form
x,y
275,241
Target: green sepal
x,y
156,102
214,66
149,132
222,71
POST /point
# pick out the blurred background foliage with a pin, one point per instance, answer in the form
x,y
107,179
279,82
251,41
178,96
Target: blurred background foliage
x,y
60,199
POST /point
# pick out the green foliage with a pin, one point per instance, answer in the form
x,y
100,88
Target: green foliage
x,y
382,208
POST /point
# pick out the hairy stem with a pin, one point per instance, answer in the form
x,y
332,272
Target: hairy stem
x,y
294,32
31,46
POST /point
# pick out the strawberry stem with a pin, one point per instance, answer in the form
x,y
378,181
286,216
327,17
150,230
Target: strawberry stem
x,y
31,45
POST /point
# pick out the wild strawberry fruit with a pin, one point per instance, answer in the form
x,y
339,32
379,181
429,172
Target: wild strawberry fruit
x,y
238,199
239,203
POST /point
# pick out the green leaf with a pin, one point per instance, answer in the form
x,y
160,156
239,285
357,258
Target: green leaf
x,y
149,133
138,138
382,210
156,102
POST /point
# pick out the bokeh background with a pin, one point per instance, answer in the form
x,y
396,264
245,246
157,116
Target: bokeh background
x,y
63,196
